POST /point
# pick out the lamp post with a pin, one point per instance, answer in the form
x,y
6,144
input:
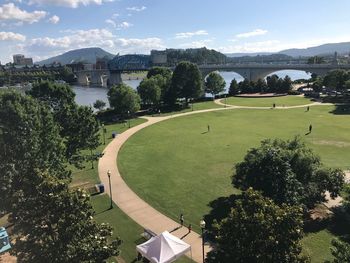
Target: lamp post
x,y
202,225
192,105
103,132
225,100
129,118
110,188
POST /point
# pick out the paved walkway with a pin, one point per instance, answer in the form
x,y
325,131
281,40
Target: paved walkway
x,y
131,204
141,212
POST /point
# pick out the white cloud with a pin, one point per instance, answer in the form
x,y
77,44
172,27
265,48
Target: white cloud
x,y
136,8
197,44
124,25
54,19
191,34
11,12
115,15
10,36
256,32
111,22
46,47
262,46
69,3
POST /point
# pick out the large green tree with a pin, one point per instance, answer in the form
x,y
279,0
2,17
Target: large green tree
x,y
340,251
78,125
55,224
336,79
258,230
29,139
234,89
164,72
124,99
288,172
150,90
214,83
51,222
187,81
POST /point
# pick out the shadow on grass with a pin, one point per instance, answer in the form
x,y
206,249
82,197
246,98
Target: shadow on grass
x,y
341,110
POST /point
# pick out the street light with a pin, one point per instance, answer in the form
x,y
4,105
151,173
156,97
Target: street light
x,y
110,188
225,100
103,132
202,225
129,118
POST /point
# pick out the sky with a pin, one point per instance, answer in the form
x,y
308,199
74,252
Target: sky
x,y
45,28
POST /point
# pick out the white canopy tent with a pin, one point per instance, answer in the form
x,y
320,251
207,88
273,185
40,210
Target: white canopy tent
x,y
164,248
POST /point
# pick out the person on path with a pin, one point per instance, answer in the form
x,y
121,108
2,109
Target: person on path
x,y
182,219
208,128
310,128
189,228
274,105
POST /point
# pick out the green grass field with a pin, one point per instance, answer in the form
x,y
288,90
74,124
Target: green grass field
x,y
179,167
268,102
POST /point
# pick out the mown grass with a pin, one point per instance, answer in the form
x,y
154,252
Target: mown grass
x,y
268,102
179,167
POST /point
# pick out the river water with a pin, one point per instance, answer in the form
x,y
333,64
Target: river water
x,y
88,95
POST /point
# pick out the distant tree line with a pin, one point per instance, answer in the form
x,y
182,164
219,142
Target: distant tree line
x,y
195,55
272,84
9,77
338,80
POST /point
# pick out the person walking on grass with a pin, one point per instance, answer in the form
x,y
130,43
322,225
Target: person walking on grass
x,y
308,108
310,128
208,128
182,219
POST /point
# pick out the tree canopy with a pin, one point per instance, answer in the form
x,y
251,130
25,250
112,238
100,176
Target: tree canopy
x,y
78,124
214,83
150,89
99,104
123,99
187,81
258,230
288,172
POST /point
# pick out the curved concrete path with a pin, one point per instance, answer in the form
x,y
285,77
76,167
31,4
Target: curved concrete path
x,y
131,204
140,211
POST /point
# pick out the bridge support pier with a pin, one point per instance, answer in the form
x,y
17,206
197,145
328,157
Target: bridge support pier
x,y
115,78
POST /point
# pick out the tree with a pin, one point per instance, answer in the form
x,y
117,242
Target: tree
x,y
187,81
261,85
61,227
336,79
99,105
214,83
272,83
258,230
244,86
67,74
124,99
78,124
315,60
29,139
286,85
340,251
51,222
165,72
288,172
233,90
150,90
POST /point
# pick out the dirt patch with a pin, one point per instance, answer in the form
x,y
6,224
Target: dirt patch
x,y
339,144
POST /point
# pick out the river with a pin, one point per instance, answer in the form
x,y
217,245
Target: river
x,y
88,95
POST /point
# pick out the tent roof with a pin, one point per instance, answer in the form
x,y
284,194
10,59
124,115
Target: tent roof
x,y
163,248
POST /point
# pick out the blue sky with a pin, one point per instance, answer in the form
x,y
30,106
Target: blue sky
x,y
43,28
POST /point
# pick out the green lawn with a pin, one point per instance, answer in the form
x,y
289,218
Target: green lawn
x,y
317,245
268,102
88,175
196,106
179,167
123,226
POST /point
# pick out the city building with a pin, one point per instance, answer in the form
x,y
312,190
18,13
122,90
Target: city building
x,y
21,60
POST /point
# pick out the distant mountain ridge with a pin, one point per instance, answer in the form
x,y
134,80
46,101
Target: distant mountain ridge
x,y
86,55
325,49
